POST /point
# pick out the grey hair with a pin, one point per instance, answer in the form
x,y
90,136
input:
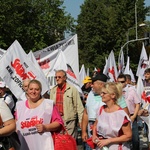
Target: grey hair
x,y
61,70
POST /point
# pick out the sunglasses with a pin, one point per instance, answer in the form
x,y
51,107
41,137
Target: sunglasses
x,y
59,77
122,81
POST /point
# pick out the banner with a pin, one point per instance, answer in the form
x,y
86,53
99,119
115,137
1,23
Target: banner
x,y
15,66
2,51
47,58
61,63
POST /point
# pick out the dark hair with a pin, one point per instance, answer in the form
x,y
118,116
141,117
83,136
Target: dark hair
x,y
147,70
128,77
122,76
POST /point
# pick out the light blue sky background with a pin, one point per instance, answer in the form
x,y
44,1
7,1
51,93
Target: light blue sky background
x,y
73,7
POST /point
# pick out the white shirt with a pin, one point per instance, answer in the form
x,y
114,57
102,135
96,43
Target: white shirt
x,y
5,112
9,101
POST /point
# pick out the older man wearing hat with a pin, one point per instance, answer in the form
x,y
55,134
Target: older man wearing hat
x,y
94,101
7,98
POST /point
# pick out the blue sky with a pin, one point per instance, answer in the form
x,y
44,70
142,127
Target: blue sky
x,y
73,7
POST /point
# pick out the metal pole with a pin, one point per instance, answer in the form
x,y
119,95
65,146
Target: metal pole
x,y
127,43
134,41
128,33
136,19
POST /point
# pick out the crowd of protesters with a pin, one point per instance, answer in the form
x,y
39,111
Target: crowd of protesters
x,y
107,112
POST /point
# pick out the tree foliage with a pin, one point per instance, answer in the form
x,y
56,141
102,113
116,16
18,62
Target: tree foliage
x,y
102,27
34,23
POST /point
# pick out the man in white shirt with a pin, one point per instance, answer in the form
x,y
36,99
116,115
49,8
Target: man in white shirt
x,y
133,102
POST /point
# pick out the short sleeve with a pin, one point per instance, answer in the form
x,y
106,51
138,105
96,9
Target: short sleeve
x,y
56,116
125,120
121,102
5,112
9,101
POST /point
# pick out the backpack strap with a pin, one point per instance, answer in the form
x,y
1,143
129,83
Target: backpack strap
x,y
5,96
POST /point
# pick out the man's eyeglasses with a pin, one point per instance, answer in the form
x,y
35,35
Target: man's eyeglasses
x,y
59,77
122,81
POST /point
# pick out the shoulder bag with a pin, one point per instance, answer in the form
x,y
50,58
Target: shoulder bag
x,y
64,141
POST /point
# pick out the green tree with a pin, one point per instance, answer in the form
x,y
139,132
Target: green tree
x,y
102,27
34,23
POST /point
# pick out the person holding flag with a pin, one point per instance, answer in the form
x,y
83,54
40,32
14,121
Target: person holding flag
x,y
145,110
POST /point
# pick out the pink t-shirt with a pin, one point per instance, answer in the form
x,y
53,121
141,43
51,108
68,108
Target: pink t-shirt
x,y
131,98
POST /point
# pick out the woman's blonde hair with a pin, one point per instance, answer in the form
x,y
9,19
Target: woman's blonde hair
x,y
114,88
36,82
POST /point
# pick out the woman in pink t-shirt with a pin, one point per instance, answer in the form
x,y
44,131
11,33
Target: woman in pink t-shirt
x,y
36,119
112,127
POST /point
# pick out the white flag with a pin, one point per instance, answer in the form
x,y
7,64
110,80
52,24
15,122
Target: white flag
x,y
82,75
61,63
110,68
143,63
106,65
145,103
2,51
148,62
127,68
121,62
140,87
43,77
15,67
88,72
132,76
141,92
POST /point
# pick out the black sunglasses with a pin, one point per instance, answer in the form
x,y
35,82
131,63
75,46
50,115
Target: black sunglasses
x,y
122,81
59,77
